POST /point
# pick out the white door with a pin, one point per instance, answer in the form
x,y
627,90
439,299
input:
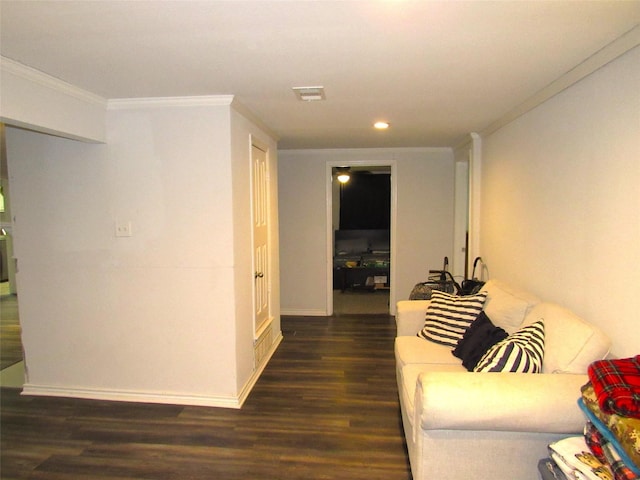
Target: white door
x,y
260,237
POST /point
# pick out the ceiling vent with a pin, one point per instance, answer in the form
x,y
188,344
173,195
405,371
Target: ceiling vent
x,y
309,94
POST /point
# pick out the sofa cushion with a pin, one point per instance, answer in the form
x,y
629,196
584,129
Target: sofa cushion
x,y
479,337
571,344
449,316
521,351
410,350
506,306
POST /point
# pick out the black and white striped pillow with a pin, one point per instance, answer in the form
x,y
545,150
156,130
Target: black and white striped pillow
x,y
449,316
521,351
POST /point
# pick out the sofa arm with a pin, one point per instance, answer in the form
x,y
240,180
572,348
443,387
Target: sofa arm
x,y
410,316
526,402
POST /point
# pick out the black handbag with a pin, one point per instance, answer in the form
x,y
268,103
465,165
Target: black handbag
x,y
473,285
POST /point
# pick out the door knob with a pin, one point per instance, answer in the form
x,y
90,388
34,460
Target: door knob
x,y
258,275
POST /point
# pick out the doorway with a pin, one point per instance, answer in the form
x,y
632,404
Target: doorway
x,y
361,219
11,358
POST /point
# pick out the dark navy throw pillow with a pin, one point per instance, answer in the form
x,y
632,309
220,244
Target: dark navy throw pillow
x,y
479,337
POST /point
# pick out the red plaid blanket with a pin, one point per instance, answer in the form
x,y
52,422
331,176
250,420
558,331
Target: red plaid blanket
x,y
617,385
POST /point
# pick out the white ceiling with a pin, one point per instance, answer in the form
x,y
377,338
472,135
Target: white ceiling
x,y
436,70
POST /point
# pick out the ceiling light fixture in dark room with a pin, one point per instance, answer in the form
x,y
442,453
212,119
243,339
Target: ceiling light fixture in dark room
x,y
343,174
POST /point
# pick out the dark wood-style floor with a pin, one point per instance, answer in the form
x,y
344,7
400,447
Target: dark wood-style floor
x,y
326,407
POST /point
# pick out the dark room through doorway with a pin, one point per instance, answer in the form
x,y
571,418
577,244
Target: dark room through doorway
x,y
361,239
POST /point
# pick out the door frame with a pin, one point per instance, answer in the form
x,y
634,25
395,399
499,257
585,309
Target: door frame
x,y
329,224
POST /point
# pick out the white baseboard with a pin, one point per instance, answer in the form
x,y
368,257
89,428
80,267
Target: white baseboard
x,y
150,397
246,390
303,313
131,396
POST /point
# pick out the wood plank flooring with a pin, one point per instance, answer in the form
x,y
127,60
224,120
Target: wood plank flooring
x,y
354,302
326,407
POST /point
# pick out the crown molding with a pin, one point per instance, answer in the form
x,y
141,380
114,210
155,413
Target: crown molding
x,y
599,59
249,115
161,102
31,74
195,101
390,151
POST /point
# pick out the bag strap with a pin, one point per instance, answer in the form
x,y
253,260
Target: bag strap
x,y
475,263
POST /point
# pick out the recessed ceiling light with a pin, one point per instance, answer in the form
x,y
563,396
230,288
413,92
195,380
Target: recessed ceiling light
x,y
381,125
309,94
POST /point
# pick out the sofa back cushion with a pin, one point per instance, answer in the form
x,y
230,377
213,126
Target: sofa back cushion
x,y
506,306
571,344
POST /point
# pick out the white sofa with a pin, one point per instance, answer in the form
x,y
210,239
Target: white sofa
x,y
461,424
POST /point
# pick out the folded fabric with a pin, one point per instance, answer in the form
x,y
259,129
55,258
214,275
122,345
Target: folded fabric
x,y
625,430
573,457
606,433
621,470
549,470
594,440
617,385
607,453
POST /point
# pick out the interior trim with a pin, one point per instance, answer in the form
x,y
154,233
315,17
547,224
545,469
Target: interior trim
x,y
610,52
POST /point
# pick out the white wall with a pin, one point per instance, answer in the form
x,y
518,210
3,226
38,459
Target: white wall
x,y
560,200
152,316
462,157
424,233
